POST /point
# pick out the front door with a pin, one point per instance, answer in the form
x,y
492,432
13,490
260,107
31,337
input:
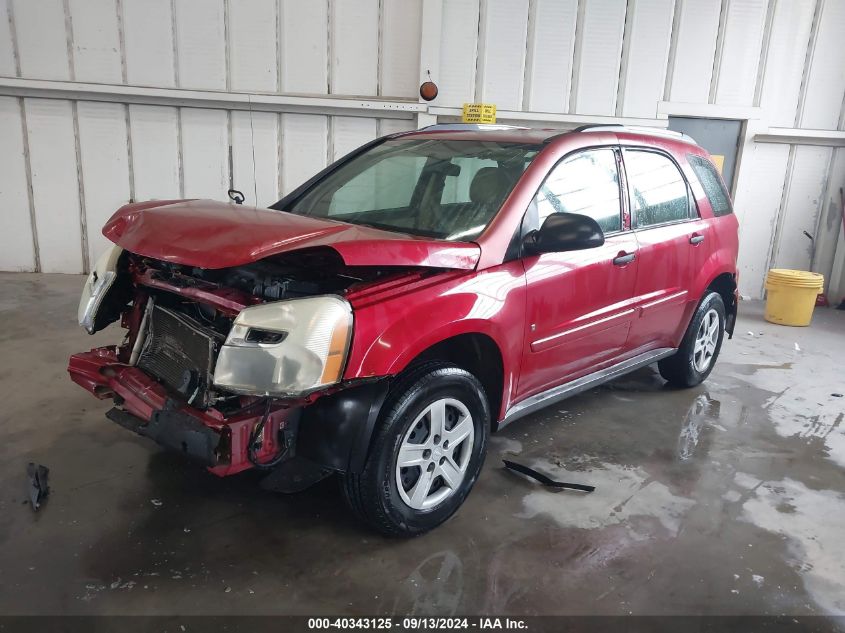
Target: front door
x,y
579,303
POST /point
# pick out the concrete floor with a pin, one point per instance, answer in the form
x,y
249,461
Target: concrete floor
x,y
724,499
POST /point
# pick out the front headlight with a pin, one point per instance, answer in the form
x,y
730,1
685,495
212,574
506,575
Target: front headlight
x,y
286,348
96,287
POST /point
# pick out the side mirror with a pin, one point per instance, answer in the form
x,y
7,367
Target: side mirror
x,y
565,232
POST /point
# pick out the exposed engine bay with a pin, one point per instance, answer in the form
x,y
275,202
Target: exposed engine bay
x,y
178,317
284,277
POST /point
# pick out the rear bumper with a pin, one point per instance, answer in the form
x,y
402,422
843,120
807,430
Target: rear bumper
x,y
144,406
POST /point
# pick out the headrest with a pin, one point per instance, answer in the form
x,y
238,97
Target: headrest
x,y
488,185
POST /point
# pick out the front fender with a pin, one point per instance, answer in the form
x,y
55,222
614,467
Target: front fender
x,y
390,334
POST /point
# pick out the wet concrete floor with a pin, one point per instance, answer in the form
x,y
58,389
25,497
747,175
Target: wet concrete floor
x,y
727,499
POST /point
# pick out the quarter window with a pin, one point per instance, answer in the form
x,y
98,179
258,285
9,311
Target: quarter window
x,y
658,190
715,191
587,183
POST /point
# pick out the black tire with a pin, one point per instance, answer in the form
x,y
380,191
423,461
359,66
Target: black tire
x,y
680,369
373,494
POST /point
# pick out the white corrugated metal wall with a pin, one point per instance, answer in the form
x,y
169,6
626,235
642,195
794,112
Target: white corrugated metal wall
x,y
105,101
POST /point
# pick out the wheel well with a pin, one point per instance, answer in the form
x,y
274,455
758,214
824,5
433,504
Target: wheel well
x,y
725,285
479,355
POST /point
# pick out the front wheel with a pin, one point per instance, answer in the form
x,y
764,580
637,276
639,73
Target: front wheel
x,y
700,347
426,454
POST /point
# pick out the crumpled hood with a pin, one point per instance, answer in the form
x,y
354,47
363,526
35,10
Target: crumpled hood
x,y
209,234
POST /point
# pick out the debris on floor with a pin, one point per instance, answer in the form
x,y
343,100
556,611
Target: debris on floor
x,y
544,479
38,486
157,502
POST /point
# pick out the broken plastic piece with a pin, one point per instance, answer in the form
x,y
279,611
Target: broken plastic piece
x,y
38,487
544,479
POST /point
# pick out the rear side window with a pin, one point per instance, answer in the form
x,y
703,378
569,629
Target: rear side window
x,y
658,190
715,190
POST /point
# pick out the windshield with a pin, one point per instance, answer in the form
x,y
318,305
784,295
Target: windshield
x,y
443,189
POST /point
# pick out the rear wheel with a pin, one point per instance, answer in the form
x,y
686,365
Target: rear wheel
x,y
700,346
426,454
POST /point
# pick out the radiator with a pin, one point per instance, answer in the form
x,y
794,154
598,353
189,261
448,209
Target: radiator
x,y
180,353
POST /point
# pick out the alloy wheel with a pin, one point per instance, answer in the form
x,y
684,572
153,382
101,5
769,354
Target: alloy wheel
x,y
435,454
706,340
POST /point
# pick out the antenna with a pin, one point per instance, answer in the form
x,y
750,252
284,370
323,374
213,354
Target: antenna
x,y
252,141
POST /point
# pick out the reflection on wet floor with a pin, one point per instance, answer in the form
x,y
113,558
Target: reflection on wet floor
x,y
724,499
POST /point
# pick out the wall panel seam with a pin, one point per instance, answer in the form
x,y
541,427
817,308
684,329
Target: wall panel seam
x,y
74,115
764,51
329,140
781,210
380,49
69,40
279,17
230,142
180,159
121,38
36,256
175,31
10,15
717,53
576,56
673,50
841,125
29,188
280,139
124,71
808,63
528,67
330,44
227,46
480,52
623,60
822,203
83,216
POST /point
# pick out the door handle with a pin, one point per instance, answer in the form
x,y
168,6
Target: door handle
x,y
696,239
623,258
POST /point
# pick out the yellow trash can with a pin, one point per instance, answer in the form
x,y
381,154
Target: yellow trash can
x,y
791,296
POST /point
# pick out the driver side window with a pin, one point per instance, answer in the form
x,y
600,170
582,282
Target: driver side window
x,y
586,183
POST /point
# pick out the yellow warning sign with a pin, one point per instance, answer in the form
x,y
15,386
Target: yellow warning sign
x,y
479,113
719,161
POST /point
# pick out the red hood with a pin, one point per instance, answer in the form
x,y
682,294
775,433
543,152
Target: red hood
x,y
209,234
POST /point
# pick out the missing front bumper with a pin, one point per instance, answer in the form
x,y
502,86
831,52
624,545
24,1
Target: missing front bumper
x,y
176,431
146,407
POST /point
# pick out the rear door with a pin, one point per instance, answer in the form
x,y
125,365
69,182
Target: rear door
x,y
670,238
579,303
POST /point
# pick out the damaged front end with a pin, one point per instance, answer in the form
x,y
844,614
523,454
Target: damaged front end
x,y
223,364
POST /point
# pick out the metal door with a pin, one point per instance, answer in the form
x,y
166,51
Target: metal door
x,y
720,137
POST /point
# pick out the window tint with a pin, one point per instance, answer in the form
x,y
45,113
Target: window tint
x,y
587,183
709,178
658,190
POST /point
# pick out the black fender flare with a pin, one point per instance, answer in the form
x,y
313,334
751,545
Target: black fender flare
x,y
335,430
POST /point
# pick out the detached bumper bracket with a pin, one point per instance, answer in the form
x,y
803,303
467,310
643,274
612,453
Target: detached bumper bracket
x,y
174,430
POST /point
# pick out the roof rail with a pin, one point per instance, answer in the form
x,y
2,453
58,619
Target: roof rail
x,y
470,126
636,129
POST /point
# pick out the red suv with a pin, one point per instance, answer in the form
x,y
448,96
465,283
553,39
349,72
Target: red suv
x,y
384,318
